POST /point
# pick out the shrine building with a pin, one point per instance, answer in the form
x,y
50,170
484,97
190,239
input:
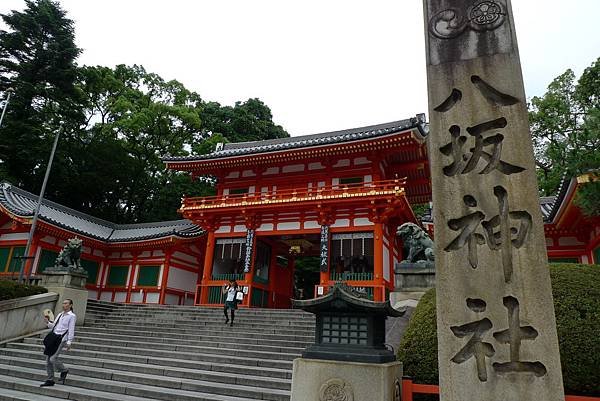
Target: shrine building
x,y
291,216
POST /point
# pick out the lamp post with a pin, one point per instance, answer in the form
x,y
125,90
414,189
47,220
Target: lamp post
x,y
37,208
9,92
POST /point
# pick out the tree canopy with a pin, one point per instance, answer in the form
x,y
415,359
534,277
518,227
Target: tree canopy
x,y
116,124
565,127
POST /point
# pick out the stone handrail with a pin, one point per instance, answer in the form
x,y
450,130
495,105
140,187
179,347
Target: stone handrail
x,y
22,316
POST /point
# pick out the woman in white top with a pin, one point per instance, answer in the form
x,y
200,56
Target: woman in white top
x,y
230,302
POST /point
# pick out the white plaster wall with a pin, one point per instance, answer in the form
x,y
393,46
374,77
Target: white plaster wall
x,y
180,279
145,254
86,249
271,170
341,223
98,253
223,229
566,241
292,225
171,299
239,228
233,174
48,239
342,163
152,298
158,253
549,242
248,173
185,256
311,224
362,221
14,236
315,166
584,259
92,294
120,296
127,255
265,227
361,160
137,296
106,296
386,263
294,168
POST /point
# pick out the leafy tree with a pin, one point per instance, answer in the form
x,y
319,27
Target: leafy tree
x,y
37,59
246,121
565,127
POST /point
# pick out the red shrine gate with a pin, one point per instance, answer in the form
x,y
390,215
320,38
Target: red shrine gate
x,y
333,196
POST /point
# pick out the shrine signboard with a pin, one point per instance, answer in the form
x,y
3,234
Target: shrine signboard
x,y
496,326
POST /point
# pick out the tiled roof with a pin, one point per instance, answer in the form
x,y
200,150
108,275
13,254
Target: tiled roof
x,y
22,204
326,138
548,206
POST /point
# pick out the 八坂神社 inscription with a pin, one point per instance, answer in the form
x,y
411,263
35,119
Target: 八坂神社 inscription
x,y
489,233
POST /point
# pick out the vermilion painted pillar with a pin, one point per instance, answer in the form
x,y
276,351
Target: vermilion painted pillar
x,y
131,277
378,260
165,277
208,262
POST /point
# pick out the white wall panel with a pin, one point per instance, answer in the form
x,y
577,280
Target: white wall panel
x,y
182,279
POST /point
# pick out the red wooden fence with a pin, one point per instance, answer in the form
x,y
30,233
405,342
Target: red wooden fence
x,y
409,389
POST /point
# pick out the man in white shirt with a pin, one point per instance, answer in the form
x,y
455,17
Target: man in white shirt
x,y
63,325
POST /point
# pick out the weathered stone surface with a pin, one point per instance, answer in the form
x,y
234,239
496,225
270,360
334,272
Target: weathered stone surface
x,y
68,285
410,278
21,316
496,326
320,380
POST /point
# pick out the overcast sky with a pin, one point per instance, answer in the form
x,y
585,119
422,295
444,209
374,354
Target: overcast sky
x,y
319,65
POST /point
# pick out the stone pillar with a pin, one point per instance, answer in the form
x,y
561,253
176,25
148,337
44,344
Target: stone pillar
x,y
496,325
68,284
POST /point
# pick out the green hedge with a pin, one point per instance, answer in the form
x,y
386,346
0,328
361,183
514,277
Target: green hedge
x,y
12,290
576,292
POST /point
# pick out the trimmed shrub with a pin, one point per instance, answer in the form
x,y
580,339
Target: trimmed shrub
x,y
576,292
12,289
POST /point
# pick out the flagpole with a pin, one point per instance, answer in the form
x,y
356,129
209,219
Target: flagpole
x,y
37,209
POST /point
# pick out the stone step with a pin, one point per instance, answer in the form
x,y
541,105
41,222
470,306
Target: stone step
x,y
169,344
138,363
192,384
153,307
15,395
83,364
142,347
119,390
125,353
59,392
192,328
202,317
195,339
239,322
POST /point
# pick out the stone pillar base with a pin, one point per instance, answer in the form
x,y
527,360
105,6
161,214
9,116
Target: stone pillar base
x,y
68,285
323,380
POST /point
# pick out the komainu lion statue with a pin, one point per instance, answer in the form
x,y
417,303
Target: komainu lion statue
x,y
418,243
70,255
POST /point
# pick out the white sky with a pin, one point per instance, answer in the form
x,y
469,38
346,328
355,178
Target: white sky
x,y
319,65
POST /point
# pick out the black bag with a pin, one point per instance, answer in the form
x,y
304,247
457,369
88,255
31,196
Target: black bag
x,y
52,340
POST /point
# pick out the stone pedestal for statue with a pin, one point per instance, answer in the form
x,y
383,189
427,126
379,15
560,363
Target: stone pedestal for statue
x,y
323,380
349,360
68,284
413,277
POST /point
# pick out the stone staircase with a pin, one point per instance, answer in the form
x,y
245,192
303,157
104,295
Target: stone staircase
x,y
149,352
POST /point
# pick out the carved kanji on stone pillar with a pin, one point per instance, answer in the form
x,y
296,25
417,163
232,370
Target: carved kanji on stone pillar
x,y
490,247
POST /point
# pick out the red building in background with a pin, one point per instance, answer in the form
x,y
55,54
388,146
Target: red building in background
x,y
290,217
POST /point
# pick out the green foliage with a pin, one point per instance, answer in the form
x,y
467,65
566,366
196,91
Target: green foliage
x,y
588,198
420,210
117,124
565,128
576,293
11,290
37,60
